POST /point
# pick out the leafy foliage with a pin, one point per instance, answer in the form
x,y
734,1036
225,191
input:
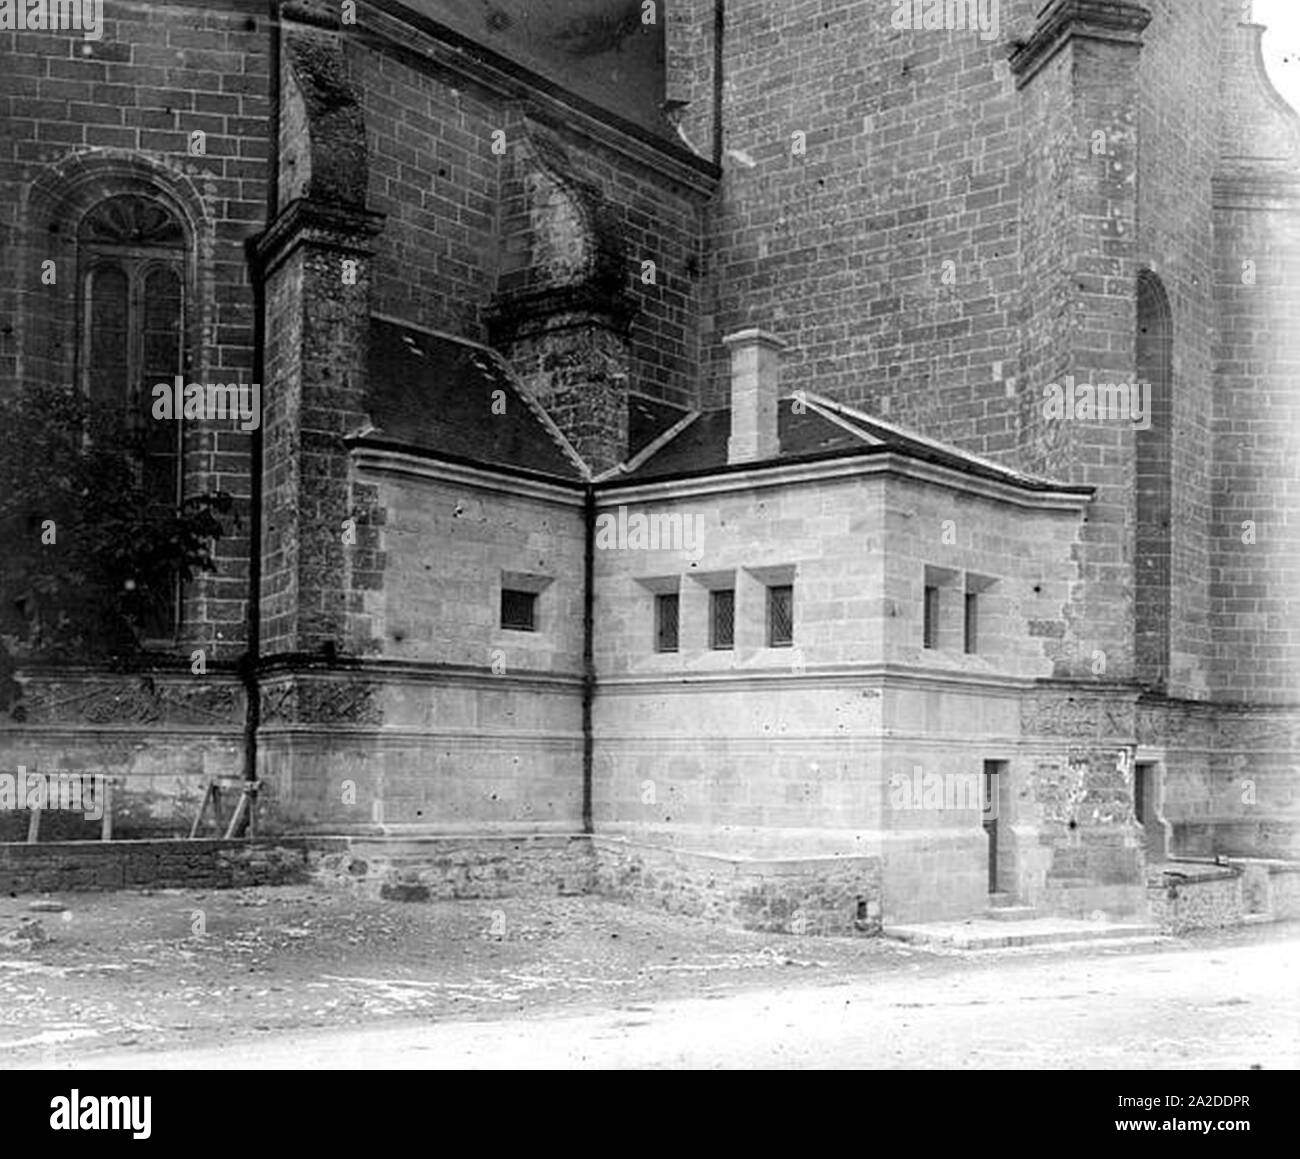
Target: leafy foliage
x,y
112,554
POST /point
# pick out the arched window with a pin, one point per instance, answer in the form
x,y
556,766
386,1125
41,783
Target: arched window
x,y
1154,483
131,255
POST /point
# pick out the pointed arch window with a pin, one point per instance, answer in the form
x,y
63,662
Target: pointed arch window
x,y
131,254
1153,605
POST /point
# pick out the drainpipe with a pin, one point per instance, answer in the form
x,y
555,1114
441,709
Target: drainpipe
x,y
719,20
588,652
252,654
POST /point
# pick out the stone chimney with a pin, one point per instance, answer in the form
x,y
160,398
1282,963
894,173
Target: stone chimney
x,y
755,385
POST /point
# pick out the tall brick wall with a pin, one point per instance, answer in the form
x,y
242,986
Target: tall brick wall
x,y
691,48
921,149
1256,405
85,119
912,159
1178,89
1078,82
445,191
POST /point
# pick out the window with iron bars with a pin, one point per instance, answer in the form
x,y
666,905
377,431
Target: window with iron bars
x,y
722,619
666,620
930,619
780,616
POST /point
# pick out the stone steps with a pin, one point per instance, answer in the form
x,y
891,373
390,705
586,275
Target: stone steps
x,y
1012,913
1040,932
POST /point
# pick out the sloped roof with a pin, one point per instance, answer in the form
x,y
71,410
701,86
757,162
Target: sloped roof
x,y
649,419
702,446
820,429
434,393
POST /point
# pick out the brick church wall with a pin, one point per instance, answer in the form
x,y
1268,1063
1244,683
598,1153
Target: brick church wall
x,y
83,120
913,148
158,74
433,171
1256,442
1178,84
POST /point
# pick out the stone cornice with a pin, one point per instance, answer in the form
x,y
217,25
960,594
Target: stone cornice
x,y
305,222
381,672
884,676
778,474
374,455
1117,21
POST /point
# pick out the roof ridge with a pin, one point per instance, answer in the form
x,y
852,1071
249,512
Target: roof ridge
x,y
916,436
838,419
457,362
539,412
652,448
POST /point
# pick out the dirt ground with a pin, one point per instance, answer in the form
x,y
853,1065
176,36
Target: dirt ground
x,y
175,969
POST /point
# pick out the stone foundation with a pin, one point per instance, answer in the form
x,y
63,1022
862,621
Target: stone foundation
x,y
833,895
429,868
837,896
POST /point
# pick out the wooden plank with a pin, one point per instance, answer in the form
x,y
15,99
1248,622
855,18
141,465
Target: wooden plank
x,y
219,818
106,823
238,815
203,808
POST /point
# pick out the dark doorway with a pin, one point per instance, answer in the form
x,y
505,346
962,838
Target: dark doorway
x,y
1146,809
994,774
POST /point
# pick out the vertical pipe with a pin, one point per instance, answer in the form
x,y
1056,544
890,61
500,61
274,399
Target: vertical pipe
x,y
252,651
719,20
588,653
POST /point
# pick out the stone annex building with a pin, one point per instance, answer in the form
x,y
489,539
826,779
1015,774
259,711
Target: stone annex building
x,y
794,279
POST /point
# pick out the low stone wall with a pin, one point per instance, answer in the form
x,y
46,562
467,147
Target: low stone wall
x,y
75,866
811,895
426,868
1284,892
1197,897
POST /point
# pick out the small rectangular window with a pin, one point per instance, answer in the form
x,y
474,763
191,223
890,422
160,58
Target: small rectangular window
x,y
722,619
780,616
930,628
518,610
972,622
666,623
